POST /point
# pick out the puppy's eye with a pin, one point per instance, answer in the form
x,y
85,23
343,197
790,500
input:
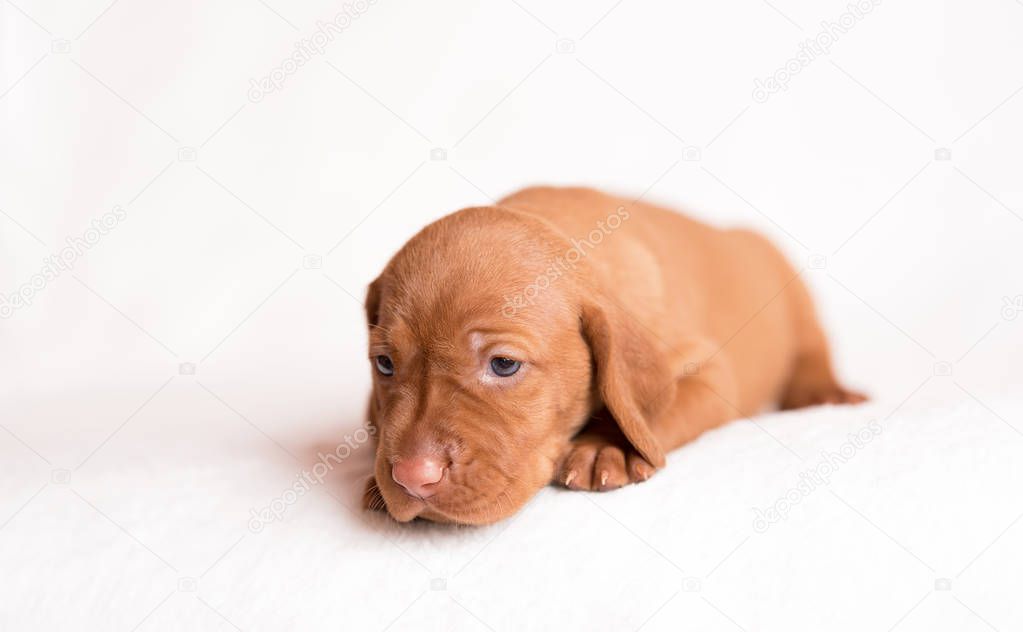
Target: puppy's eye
x,y
504,367
384,365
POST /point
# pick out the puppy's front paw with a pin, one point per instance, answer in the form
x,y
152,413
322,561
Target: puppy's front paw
x,y
597,464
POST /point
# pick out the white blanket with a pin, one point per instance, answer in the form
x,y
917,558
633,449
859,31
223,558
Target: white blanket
x,y
836,518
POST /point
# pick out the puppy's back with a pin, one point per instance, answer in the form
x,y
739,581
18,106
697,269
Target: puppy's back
x,y
682,278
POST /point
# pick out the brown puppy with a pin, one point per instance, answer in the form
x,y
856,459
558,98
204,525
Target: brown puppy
x,y
570,336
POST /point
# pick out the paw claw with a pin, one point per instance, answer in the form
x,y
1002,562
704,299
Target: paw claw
x,y
595,463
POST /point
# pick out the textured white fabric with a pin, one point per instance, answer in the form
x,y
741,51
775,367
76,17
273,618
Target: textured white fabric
x,y
156,528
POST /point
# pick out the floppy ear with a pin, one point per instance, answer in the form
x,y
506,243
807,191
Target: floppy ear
x,y
632,375
373,302
372,318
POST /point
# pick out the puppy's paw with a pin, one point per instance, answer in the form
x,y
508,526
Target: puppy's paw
x,y
596,464
371,498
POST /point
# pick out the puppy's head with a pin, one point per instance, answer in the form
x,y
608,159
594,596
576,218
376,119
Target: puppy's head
x,y
488,355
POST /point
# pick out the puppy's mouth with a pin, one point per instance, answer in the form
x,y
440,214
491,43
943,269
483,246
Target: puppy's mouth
x,y
482,512
408,508
448,505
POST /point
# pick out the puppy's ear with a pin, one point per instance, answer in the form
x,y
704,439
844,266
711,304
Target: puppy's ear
x,y
373,302
632,375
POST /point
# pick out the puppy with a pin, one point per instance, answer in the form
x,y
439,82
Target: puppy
x,y
569,336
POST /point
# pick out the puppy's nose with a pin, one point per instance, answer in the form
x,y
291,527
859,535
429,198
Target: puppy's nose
x,y
419,475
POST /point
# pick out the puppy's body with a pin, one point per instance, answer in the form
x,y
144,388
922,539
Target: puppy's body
x,y
637,329
694,288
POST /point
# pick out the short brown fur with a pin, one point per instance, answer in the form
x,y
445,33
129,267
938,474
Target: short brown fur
x,y
659,329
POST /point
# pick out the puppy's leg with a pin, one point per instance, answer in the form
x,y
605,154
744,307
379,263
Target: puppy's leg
x,y
702,402
600,458
812,381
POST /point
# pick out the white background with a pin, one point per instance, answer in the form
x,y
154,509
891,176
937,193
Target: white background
x,y
252,229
